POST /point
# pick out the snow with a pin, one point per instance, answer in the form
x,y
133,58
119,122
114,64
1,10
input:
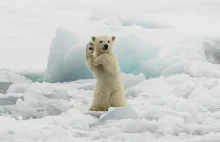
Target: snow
x,y
172,108
116,114
168,53
10,76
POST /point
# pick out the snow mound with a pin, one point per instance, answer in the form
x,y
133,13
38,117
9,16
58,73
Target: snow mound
x,y
59,47
131,80
18,88
117,114
137,52
10,76
40,104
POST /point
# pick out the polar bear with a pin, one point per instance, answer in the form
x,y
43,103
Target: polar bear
x,y
109,89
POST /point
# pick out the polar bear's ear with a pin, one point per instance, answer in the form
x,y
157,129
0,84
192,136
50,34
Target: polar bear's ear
x,y
93,38
113,38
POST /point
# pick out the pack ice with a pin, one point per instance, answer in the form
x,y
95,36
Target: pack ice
x,y
169,58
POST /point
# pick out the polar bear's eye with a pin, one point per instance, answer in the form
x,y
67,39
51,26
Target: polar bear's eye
x,y
108,41
90,48
100,41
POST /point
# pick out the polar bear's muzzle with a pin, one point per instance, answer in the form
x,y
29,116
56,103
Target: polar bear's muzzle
x,y
105,47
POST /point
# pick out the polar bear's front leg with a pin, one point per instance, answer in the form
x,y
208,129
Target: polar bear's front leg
x,y
107,62
96,61
101,60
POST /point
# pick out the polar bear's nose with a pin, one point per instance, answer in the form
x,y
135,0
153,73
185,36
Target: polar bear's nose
x,y
105,47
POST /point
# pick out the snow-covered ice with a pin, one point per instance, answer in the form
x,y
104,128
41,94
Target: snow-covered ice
x,y
139,50
172,108
169,57
10,76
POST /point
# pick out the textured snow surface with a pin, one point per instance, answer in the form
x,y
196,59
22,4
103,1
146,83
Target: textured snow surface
x,y
10,76
175,108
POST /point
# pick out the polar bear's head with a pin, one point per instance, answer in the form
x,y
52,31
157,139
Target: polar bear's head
x,y
102,44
